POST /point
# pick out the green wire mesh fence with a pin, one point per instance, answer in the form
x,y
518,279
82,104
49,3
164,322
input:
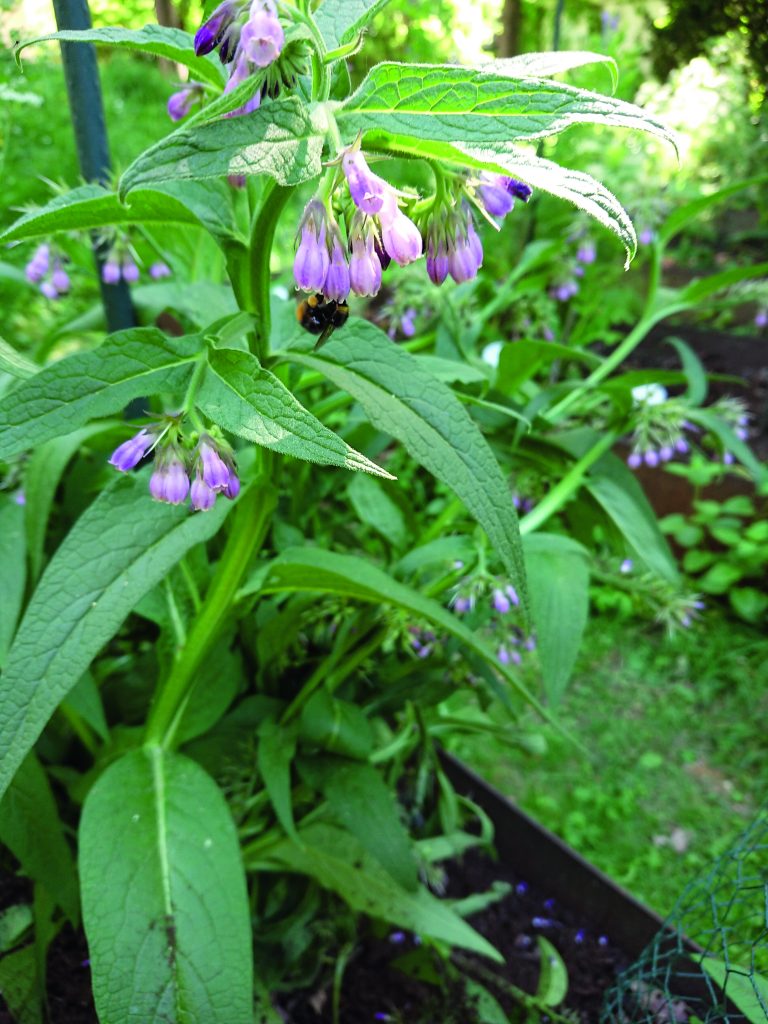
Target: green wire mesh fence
x,y
710,961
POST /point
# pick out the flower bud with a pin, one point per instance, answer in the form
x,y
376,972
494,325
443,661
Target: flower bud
x,y
201,496
60,279
311,262
131,452
337,283
211,32
159,270
369,192
110,271
169,482
129,270
364,267
213,469
48,289
401,238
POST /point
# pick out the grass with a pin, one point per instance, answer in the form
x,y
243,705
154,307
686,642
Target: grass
x,y
678,747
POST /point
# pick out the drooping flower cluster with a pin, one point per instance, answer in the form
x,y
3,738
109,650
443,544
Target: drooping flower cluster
x,y
497,600
46,270
202,473
378,231
248,36
566,284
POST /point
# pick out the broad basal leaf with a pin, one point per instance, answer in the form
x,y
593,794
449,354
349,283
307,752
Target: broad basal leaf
x,y
165,905
279,139
161,41
404,400
118,550
242,397
447,103
200,204
64,395
341,864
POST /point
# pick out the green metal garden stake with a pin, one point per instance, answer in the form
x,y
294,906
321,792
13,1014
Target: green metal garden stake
x,y
81,74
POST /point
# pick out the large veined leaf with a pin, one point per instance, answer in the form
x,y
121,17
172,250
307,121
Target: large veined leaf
x,y
169,933
242,397
339,20
31,829
558,580
403,399
338,862
312,570
118,550
502,157
161,41
447,103
200,204
279,139
64,395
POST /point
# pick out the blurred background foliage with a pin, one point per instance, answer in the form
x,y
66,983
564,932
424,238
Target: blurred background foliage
x,y
666,718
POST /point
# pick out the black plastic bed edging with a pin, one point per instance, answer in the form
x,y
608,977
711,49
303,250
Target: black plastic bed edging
x,y
543,859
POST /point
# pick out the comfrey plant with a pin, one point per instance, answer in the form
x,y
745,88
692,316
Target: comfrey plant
x,y
237,737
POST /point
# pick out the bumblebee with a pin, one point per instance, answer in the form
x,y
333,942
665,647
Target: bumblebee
x,y
322,316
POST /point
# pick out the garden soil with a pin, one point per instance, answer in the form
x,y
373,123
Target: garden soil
x,y
374,989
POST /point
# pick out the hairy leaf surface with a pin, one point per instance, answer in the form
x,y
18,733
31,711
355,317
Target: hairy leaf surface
x,y
170,934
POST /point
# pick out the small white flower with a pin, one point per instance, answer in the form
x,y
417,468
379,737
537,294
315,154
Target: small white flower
x,y
649,394
491,353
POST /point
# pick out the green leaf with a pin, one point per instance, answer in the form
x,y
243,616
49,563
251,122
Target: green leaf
x,y
485,1005
719,578
374,507
338,726
503,157
170,935
552,987
695,373
118,550
683,215
15,363
520,360
84,699
279,139
749,603
542,65
339,863
88,207
242,397
275,753
743,986
709,419
31,829
706,287
160,41
14,569
362,803
401,398
312,570
20,985
41,478
340,20
558,581
443,102
62,396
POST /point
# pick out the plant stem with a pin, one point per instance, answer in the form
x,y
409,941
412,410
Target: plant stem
x,y
262,237
570,483
249,527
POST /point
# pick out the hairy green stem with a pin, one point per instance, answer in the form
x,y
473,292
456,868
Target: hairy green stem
x,y
250,522
262,237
